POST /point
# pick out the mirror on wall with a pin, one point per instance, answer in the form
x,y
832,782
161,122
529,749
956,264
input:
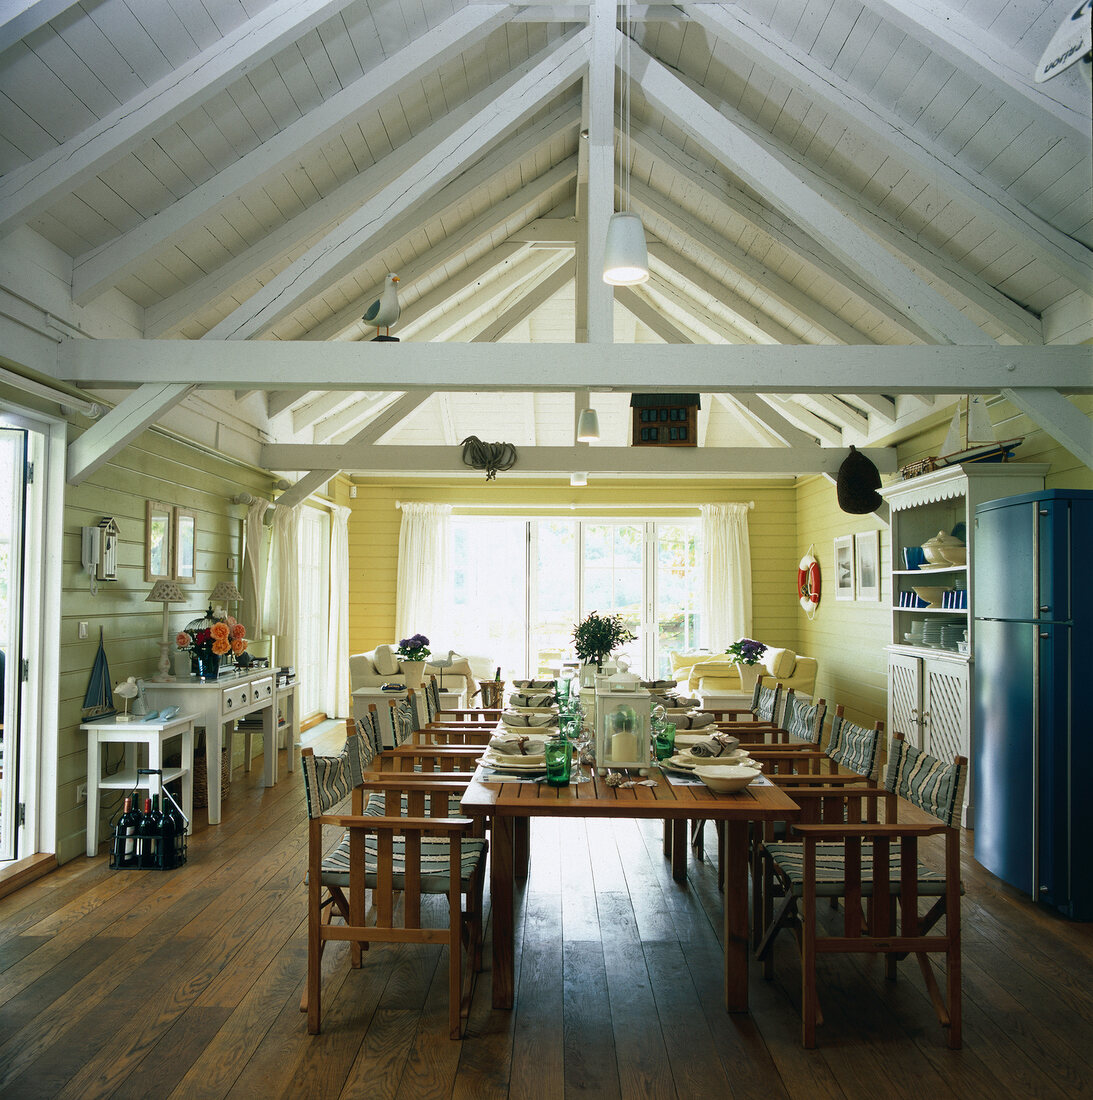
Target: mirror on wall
x,y
183,544
157,541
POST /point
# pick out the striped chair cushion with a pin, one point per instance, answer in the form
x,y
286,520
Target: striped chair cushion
x,y
789,859
803,721
432,698
434,862
327,781
370,729
927,783
857,750
767,702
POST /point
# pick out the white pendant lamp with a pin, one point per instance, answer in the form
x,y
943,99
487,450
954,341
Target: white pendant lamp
x,y
588,426
625,257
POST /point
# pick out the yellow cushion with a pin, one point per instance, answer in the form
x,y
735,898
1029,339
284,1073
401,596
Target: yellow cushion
x,y
779,662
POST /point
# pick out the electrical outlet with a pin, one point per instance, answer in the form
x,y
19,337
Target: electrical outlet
x,y
81,629
231,563
81,794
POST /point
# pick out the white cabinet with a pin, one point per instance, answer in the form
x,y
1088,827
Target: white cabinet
x,y
930,687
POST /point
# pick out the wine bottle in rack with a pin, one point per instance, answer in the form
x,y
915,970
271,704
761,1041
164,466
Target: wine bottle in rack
x,y
125,835
166,834
147,835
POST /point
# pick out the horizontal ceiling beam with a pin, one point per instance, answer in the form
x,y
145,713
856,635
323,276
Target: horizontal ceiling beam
x,y
598,461
364,365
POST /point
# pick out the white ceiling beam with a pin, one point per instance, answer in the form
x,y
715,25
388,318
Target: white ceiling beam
x,y
600,198
766,414
467,239
578,13
532,297
759,169
704,185
845,416
713,327
805,419
95,271
775,54
389,418
279,401
600,461
322,404
580,304
341,423
288,364
476,312
422,310
759,327
877,406
1060,418
123,423
974,51
168,315
701,180
36,186
649,316
19,18
548,232
517,95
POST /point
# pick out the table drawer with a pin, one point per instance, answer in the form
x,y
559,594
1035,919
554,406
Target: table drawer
x,y
243,698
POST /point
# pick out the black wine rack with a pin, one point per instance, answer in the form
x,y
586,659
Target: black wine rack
x,y
142,851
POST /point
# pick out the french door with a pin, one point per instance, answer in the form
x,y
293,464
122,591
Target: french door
x,y
519,586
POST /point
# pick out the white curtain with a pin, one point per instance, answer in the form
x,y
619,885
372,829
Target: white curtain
x,y
336,689
726,575
283,584
423,574
255,556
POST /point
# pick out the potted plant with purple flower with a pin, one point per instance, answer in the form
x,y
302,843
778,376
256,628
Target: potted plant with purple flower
x,y
747,653
411,653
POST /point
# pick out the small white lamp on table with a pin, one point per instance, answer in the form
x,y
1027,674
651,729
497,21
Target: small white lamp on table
x,y
165,592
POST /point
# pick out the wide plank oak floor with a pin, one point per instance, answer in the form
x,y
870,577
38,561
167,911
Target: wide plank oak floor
x,y
187,984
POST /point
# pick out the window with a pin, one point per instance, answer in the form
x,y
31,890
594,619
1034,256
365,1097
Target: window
x,y
519,586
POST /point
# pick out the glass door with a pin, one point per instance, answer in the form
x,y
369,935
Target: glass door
x,y
677,598
13,466
613,579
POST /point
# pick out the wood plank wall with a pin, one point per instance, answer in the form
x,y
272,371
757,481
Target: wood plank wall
x,y
374,529
154,467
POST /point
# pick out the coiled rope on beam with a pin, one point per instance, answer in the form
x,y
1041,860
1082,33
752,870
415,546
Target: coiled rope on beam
x,y
490,457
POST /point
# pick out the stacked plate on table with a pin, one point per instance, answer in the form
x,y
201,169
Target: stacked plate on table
x,y
685,760
516,755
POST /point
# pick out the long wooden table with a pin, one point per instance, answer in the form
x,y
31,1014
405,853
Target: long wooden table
x,y
511,805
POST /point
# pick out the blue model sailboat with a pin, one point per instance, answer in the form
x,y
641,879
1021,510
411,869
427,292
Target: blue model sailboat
x,y
99,700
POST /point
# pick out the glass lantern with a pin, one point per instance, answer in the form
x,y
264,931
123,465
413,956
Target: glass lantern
x,y
622,724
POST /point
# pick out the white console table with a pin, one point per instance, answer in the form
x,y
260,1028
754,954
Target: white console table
x,y
217,703
133,734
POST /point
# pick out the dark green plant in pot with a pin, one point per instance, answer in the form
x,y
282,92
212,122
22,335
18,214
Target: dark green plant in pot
x,y
597,636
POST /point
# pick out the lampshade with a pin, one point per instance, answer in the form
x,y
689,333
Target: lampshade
x,y
625,258
588,426
165,592
578,479
224,591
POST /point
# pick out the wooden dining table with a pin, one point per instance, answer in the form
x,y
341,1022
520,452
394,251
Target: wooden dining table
x,y
510,806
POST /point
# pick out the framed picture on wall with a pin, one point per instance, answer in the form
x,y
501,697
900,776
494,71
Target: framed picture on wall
x,y
867,564
844,567
157,541
184,541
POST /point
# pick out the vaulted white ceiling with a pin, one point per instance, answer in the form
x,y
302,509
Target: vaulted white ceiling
x,y
825,173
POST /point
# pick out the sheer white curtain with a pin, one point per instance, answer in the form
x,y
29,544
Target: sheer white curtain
x,y
423,576
336,689
255,556
282,584
726,575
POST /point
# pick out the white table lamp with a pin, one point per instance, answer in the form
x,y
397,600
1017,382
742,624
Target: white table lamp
x,y
165,592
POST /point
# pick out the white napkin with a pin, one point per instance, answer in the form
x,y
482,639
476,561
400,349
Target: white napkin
x,y
693,721
517,746
515,720
719,744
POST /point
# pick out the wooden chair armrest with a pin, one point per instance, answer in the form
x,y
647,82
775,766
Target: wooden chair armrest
x,y
455,782
806,781
437,749
400,824
836,832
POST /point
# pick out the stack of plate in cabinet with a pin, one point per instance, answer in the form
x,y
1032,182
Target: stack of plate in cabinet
x,y
931,634
951,633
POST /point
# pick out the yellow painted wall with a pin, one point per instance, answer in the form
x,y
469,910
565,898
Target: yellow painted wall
x,y
374,530
154,467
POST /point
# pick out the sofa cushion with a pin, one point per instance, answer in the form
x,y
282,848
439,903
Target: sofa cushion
x,y
779,662
384,659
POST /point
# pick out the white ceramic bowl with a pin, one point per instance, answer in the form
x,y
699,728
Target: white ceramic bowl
x,y
725,778
932,595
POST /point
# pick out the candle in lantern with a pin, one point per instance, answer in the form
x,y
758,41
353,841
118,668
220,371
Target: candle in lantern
x,y
624,746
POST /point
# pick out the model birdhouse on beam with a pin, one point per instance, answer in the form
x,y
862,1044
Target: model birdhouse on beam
x,y
665,419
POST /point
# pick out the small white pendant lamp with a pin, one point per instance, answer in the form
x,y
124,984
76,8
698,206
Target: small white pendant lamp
x,y
588,426
625,257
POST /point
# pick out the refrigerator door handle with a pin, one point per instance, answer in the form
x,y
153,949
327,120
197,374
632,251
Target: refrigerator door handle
x,y
1037,885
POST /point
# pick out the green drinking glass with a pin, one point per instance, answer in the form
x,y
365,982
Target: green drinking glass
x,y
665,742
559,759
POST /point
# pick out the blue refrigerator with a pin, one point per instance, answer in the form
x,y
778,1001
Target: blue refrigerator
x,y
1032,750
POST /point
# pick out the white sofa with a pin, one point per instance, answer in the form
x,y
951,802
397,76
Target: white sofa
x,y
381,665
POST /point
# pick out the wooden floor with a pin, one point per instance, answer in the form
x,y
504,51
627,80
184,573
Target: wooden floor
x,y
187,984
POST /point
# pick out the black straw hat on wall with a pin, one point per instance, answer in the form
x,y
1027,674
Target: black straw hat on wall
x,y
857,483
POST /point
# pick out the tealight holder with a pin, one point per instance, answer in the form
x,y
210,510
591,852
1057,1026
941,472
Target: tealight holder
x,y
622,723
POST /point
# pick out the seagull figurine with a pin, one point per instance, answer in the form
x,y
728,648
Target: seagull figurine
x,y
384,311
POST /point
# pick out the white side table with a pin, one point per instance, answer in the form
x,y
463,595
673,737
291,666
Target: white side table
x,y
449,700
132,735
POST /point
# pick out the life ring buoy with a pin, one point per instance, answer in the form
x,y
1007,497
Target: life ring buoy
x,y
808,583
